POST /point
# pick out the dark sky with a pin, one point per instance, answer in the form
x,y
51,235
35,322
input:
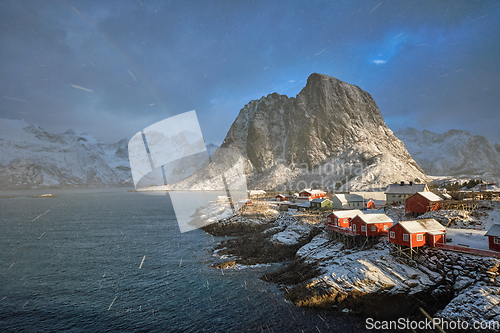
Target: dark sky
x,y
428,64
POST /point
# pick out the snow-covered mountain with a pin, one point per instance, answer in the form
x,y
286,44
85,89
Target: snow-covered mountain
x,y
33,158
452,153
331,134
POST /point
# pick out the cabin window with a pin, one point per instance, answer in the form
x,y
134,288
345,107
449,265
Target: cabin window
x,y
496,240
353,227
392,234
405,237
386,227
363,228
374,228
420,237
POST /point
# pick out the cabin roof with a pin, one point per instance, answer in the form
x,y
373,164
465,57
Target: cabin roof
x,y
319,200
405,189
345,198
424,225
308,190
342,214
375,218
430,196
494,231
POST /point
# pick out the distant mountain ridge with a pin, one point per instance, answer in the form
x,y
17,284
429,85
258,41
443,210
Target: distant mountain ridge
x,y
30,157
455,152
297,142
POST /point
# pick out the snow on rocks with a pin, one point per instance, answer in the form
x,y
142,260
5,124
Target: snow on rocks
x,y
295,231
477,302
213,212
366,271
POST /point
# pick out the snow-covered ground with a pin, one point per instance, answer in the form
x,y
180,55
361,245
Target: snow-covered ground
x,y
472,238
475,238
369,270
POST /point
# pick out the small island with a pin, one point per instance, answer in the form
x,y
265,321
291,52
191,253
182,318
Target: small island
x,y
48,195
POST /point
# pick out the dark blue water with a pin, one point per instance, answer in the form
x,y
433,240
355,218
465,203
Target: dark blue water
x,y
71,263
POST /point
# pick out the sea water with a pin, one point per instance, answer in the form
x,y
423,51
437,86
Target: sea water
x,y
111,260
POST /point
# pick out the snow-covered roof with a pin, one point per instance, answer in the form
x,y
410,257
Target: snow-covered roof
x,y
436,232
254,192
342,214
306,204
308,190
375,218
494,230
345,198
424,225
320,200
430,196
405,189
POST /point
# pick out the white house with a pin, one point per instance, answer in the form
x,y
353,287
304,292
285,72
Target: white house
x,y
347,201
397,193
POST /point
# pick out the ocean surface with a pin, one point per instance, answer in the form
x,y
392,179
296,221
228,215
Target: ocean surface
x,y
110,260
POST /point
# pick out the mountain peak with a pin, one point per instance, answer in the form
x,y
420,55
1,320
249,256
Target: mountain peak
x,y
329,122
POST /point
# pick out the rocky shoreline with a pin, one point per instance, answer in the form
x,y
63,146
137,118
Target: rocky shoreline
x,y
371,281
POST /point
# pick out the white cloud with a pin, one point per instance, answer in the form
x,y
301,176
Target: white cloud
x,y
379,62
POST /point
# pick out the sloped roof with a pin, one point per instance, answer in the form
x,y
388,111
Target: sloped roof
x,y
306,204
376,218
423,225
308,190
405,189
430,196
494,230
342,214
320,200
345,198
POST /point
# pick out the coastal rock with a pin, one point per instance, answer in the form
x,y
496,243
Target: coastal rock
x,y
224,265
477,302
48,195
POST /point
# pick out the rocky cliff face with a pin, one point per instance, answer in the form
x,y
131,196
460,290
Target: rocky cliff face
x,y
33,158
452,153
331,134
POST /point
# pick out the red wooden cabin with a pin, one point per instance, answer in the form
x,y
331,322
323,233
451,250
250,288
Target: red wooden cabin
x,y
371,224
417,233
422,202
494,237
280,197
308,194
342,218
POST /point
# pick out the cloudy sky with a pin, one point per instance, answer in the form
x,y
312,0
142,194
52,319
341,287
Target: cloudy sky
x,y
115,67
